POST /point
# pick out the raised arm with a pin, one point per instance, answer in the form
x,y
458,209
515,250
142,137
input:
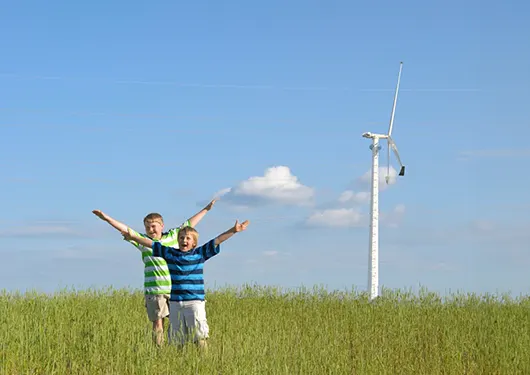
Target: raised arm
x,y
115,223
194,220
130,236
238,227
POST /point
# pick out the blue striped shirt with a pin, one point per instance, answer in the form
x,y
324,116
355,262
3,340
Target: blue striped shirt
x,y
186,269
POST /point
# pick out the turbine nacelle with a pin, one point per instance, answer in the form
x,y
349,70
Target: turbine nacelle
x,y
391,145
374,135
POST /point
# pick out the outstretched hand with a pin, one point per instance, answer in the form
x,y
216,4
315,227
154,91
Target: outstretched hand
x,y
210,205
99,214
239,227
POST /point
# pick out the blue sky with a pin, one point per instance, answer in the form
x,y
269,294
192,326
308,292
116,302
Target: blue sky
x,y
135,107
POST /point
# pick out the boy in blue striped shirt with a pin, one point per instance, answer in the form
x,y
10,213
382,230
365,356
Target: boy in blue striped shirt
x,y
187,316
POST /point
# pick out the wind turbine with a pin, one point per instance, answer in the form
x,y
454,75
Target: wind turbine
x,y
373,256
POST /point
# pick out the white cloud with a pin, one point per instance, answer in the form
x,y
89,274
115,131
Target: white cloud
x,y
340,217
277,185
235,204
352,208
222,192
366,179
349,196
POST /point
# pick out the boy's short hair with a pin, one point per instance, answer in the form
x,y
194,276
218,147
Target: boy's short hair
x,y
192,231
154,216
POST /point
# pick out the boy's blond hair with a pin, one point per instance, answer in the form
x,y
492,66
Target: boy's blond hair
x,y
154,216
192,231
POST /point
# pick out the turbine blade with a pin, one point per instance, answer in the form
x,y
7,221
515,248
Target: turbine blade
x,y
395,101
392,144
388,163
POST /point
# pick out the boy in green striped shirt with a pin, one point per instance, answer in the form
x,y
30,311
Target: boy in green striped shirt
x,y
157,281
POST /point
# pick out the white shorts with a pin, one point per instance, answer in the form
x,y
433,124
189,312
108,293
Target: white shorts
x,y
157,306
187,321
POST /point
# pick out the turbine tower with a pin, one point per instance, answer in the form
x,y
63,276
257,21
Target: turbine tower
x,y
373,256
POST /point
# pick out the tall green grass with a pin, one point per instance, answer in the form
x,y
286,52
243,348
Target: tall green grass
x,y
257,330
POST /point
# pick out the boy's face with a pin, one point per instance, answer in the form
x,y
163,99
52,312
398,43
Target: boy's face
x,y
186,242
154,228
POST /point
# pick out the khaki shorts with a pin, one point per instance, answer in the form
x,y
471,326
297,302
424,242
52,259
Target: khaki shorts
x,y
188,321
157,306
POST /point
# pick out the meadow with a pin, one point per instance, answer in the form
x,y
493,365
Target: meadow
x,y
260,330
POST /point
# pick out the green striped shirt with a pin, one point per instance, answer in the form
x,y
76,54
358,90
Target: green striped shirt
x,y
157,279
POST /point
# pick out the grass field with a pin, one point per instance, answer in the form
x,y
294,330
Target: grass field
x,y
257,330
